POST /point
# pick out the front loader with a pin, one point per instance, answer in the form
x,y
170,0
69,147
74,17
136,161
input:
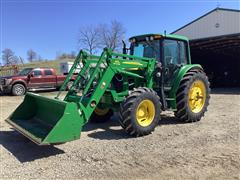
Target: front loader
x,y
154,74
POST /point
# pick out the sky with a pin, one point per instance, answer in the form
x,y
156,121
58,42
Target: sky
x,y
51,27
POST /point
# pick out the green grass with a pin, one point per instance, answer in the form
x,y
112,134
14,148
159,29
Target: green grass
x,y
44,64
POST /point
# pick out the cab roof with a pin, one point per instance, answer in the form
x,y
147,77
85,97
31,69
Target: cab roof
x,y
172,36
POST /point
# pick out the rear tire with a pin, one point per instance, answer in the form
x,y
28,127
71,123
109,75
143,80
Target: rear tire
x,y
18,90
192,96
140,112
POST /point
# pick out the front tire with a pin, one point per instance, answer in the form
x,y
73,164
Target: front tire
x,y
140,112
18,90
192,96
101,115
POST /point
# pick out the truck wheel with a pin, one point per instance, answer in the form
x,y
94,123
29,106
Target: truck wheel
x,y
18,90
192,96
101,115
140,112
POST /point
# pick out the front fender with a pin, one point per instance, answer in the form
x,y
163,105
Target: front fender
x,y
20,81
176,83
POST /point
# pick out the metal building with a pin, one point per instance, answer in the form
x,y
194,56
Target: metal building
x,y
215,44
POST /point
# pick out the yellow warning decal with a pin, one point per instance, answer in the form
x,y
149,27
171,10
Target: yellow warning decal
x,y
133,63
116,62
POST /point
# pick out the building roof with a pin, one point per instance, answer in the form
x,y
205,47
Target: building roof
x,y
216,9
174,36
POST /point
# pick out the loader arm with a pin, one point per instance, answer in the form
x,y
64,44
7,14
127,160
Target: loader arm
x,y
53,121
88,98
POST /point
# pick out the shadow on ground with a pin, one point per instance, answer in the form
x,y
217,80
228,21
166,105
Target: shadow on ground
x,y
169,120
111,130
23,149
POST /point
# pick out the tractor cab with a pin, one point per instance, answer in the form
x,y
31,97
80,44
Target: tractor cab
x,y
172,51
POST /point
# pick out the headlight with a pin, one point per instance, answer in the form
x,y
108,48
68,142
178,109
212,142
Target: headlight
x,y
8,81
2,81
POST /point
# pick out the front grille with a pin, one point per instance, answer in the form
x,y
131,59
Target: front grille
x,y
2,81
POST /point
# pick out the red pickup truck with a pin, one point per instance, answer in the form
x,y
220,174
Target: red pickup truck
x,y
31,79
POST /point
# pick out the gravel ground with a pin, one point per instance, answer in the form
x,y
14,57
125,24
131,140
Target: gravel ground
x,y
208,149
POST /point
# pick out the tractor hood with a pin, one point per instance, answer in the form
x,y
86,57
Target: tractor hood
x,y
13,77
10,77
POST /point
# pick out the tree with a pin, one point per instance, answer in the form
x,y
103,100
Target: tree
x,y
111,36
32,55
21,60
40,58
89,38
7,56
63,56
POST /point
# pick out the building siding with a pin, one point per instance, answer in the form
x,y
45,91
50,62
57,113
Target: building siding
x,y
217,23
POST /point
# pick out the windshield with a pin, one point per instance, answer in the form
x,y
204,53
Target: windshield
x,y
149,49
25,71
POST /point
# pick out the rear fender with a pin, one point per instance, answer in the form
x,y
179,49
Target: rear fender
x,y
172,94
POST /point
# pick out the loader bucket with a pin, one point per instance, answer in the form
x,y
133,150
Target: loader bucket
x,y
47,121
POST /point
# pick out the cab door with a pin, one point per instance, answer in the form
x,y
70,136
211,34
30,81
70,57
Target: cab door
x,y
49,79
174,57
35,79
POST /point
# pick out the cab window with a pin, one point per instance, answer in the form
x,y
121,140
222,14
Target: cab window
x,y
175,52
148,49
37,72
170,52
48,72
183,52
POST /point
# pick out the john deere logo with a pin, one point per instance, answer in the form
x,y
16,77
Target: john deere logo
x,y
133,63
117,62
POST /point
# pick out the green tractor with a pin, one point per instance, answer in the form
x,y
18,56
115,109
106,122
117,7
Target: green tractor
x,y
153,75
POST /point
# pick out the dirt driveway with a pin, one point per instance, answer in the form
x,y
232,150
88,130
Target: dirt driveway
x,y
208,149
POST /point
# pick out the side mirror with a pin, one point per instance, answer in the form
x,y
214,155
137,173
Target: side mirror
x,y
131,48
30,75
124,47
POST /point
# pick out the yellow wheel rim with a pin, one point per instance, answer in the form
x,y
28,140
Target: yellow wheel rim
x,y
145,113
101,112
197,96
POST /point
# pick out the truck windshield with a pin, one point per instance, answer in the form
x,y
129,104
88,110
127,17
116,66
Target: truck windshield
x,y
149,49
25,71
